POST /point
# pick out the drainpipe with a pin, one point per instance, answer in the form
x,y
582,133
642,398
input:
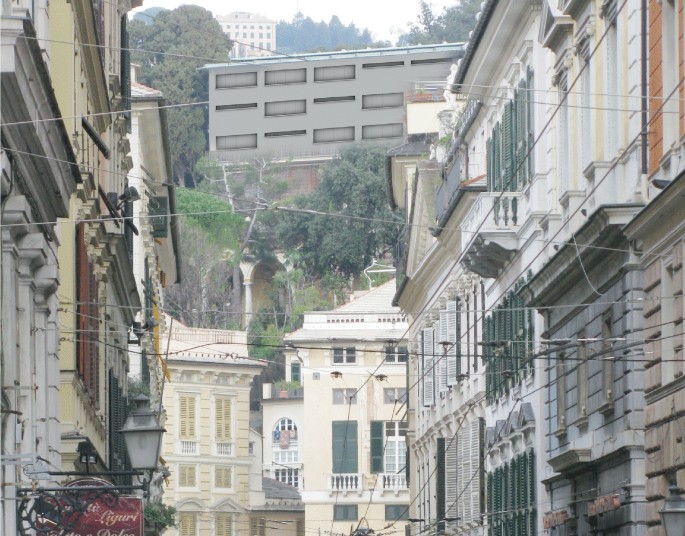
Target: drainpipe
x,y
643,107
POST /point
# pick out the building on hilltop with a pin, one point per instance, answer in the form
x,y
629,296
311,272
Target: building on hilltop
x,y
250,35
306,106
351,363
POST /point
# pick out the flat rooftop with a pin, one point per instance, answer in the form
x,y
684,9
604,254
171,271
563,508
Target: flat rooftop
x,y
341,54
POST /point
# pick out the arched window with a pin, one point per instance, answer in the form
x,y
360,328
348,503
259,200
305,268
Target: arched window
x,y
285,456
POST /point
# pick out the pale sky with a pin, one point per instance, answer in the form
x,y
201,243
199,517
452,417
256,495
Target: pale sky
x,y
385,19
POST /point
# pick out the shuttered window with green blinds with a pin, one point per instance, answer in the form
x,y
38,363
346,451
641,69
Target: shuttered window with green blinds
x,y
345,446
377,441
511,512
440,483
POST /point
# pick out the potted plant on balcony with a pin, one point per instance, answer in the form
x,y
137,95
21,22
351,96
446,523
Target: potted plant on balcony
x,y
283,387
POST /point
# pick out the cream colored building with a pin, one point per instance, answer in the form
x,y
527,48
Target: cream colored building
x,y
250,34
207,443
352,364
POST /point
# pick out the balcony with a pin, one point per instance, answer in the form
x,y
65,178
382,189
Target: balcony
x,y
395,482
345,483
223,448
490,233
185,446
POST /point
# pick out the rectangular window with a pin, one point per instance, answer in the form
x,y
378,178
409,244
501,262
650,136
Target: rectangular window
x,y
223,476
289,107
427,372
323,100
87,320
331,135
396,354
395,512
187,476
239,141
187,524
187,418
335,72
394,395
285,133
345,512
431,60
245,106
344,396
224,421
234,80
382,64
607,366
581,379
345,447
296,372
285,76
382,100
375,132
223,524
345,355
257,527
388,447
288,476
561,394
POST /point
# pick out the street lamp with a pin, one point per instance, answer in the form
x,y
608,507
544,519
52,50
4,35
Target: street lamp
x,y
673,512
143,435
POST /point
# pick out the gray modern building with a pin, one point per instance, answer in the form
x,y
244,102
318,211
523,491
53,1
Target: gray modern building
x,y
312,105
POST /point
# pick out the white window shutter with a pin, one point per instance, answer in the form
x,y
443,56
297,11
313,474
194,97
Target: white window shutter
x,y
452,370
442,364
428,373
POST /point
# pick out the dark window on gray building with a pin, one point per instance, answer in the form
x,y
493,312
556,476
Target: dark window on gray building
x,y
330,135
291,107
240,141
228,81
285,76
374,132
335,72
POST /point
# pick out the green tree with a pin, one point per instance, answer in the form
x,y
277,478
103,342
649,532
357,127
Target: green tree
x,y
210,234
452,25
305,35
353,188
171,50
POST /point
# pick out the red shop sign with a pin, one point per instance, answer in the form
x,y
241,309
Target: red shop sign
x,y
108,514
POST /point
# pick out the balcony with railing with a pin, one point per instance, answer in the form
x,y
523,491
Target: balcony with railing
x,y
185,446
345,483
490,232
223,448
393,482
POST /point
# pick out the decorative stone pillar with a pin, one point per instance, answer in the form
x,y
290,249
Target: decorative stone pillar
x,y
248,301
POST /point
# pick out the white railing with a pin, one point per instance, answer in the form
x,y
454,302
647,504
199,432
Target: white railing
x,y
186,447
344,482
223,449
393,482
492,211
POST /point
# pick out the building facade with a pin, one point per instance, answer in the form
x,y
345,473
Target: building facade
x,y
38,177
352,365
250,34
311,105
207,443
657,235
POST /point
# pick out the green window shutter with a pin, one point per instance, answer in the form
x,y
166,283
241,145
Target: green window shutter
x,y
377,446
295,372
440,484
529,122
490,164
531,476
345,446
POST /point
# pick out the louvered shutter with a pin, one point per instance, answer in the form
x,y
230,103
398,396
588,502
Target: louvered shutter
x,y
187,524
451,462
222,476
442,358
187,417
223,419
453,368
529,122
344,446
223,523
428,373
475,485
377,446
440,483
